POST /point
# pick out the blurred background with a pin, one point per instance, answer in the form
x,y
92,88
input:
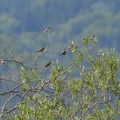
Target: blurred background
x,y
68,19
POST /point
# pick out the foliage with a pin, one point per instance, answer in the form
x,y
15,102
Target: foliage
x,y
79,82
93,94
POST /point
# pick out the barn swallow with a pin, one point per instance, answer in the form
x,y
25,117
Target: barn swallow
x,y
63,53
41,50
69,48
47,64
47,30
3,61
93,37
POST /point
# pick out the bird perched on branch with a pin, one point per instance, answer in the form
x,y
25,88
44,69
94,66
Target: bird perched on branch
x,y
47,30
93,37
3,61
48,64
41,50
63,53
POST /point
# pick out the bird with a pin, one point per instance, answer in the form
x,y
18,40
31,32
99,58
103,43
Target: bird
x,y
63,53
69,48
3,61
41,50
48,64
93,37
47,30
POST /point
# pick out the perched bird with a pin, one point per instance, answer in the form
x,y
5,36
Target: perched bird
x,y
41,50
3,61
48,64
47,30
69,48
63,53
93,37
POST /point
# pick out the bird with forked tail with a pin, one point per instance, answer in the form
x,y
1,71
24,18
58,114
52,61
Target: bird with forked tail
x,y
41,50
48,64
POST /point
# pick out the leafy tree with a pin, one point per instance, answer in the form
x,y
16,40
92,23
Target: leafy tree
x,y
86,88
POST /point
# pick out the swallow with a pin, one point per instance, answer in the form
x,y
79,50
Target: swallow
x,y
48,64
93,37
63,53
47,30
69,48
41,50
3,61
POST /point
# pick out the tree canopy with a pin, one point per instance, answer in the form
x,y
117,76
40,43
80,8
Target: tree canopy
x,y
88,87
59,60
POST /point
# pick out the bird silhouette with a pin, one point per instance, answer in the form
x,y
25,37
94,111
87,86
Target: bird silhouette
x,y
41,50
48,64
47,30
63,53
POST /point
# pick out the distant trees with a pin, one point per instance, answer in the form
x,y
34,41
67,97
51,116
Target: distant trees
x,y
52,91
69,20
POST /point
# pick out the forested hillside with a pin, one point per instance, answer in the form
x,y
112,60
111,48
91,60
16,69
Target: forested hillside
x,y
68,19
